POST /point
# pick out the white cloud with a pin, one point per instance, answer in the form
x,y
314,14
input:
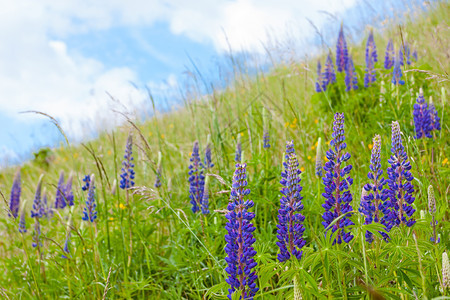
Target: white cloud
x,y
39,72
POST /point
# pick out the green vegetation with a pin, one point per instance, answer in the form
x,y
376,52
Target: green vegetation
x,y
174,254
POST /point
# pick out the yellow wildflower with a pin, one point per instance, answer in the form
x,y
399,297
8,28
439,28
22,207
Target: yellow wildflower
x,y
111,218
121,206
109,152
286,124
445,161
163,136
75,155
316,121
302,169
309,157
370,146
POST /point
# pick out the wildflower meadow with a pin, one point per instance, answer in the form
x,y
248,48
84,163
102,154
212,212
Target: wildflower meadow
x,y
326,178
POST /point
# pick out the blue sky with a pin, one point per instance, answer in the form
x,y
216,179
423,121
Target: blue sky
x,y
62,57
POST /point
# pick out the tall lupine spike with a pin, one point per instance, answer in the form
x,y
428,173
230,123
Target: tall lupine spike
x,y
240,238
208,157
238,154
60,201
351,80
127,176
328,76
38,208
68,193
400,187
205,198
66,249
432,211
196,179
266,136
371,58
434,116
37,234
319,81
374,206
48,212
89,211
337,182
290,227
14,200
389,56
397,72
407,51
445,271
22,224
414,55
341,51
158,171
422,118
319,158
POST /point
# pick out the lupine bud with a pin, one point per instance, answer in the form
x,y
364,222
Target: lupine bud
x,y
22,225
237,157
371,58
319,158
328,76
400,189
422,118
37,234
434,116
158,171
68,194
431,200
208,157
337,182
60,202
38,208
14,202
127,175
290,227
445,271
240,239
266,136
397,72
205,198
319,81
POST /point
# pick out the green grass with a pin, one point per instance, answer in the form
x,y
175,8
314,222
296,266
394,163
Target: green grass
x,y
179,255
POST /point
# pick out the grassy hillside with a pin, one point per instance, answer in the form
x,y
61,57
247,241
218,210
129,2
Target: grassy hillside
x,y
147,243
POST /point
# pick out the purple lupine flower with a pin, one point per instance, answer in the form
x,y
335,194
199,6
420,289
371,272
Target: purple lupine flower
x,y
14,200
266,139
47,211
371,57
66,249
399,181
351,81
319,161
38,208
432,211
37,234
389,56
60,201
337,182
240,238
127,175
319,82
422,118
68,193
89,211
86,180
22,224
435,120
328,75
208,157
238,154
341,51
373,205
196,179
290,227
205,198
414,54
407,51
158,171
397,72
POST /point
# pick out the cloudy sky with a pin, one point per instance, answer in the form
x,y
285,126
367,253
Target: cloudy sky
x,y
66,58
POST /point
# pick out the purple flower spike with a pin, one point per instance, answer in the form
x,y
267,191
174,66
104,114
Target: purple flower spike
x,y
328,75
351,81
60,201
397,72
205,198
127,175
66,247
240,238
158,171
373,205
37,234
341,51
14,201
389,57
86,180
319,82
371,57
422,117
399,181
435,120
290,227
238,154
337,182
196,179
90,212
38,209
208,157
68,193
22,225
